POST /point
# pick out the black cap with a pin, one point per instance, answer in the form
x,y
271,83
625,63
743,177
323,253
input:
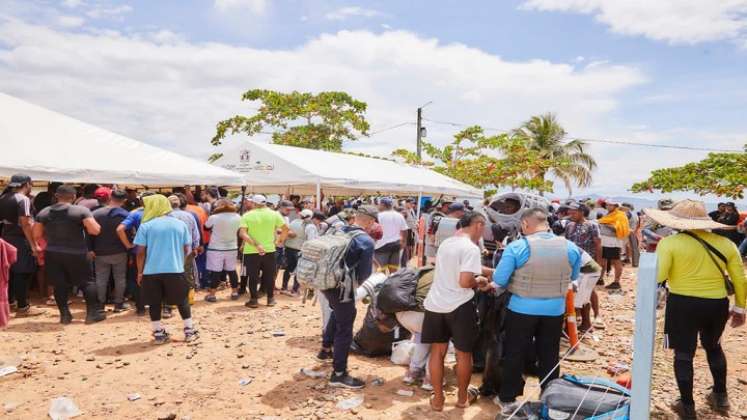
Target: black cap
x,y
18,180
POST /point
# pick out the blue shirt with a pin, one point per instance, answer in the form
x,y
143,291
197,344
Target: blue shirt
x,y
515,256
133,220
189,220
360,254
164,239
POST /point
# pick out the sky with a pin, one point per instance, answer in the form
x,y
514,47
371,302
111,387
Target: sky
x,y
669,72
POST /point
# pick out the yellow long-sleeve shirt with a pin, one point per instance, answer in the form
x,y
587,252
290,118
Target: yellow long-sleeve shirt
x,y
689,271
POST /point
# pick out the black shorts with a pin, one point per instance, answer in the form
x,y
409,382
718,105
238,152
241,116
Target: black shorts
x,y
611,253
171,288
459,326
687,317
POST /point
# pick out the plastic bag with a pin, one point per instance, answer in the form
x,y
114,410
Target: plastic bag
x,y
402,352
63,408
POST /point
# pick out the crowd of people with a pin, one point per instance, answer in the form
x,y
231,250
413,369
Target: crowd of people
x,y
156,249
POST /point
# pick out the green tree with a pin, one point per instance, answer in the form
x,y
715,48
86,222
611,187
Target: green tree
x,y
485,161
315,121
722,174
570,162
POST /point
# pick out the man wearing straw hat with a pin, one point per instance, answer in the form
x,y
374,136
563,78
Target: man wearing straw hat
x,y
694,262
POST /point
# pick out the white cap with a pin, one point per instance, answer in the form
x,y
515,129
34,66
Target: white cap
x,y
306,213
259,199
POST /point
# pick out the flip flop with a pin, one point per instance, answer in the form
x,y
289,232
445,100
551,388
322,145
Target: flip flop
x,y
433,406
472,395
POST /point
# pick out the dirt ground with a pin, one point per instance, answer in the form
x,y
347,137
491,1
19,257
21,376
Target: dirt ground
x,y
99,366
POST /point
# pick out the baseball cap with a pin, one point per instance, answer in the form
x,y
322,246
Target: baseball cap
x,y
386,201
306,213
665,204
102,193
18,179
573,205
456,207
259,199
174,200
369,211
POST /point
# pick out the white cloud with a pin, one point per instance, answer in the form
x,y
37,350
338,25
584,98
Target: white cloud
x,y
70,21
164,90
101,12
72,4
257,7
673,21
345,13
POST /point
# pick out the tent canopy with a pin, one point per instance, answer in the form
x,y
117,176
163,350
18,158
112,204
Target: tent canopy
x,y
285,169
50,146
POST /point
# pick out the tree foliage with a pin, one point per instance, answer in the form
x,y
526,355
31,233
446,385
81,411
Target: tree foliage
x,y
722,174
487,162
315,121
569,160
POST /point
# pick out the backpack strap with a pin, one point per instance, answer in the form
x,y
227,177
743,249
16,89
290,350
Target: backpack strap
x,y
711,251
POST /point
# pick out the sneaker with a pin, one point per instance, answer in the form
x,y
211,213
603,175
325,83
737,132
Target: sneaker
x,y
413,376
166,313
719,401
141,312
613,286
28,311
190,335
160,336
234,296
507,408
324,355
211,298
252,303
121,307
95,317
345,381
271,302
427,386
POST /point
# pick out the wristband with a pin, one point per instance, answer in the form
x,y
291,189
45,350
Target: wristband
x,y
737,310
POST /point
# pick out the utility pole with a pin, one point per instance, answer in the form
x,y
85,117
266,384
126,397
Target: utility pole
x,y
419,125
421,131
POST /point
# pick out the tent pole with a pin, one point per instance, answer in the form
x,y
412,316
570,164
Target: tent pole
x,y
243,197
318,195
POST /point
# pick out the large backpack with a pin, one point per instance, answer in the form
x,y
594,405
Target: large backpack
x,y
321,264
587,397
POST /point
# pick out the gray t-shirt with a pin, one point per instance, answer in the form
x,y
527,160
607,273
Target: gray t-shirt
x,y
225,227
63,226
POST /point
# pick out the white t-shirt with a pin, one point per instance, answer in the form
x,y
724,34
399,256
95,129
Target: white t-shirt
x,y
225,227
456,255
392,223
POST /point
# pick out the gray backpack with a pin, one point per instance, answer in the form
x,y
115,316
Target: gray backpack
x,y
321,264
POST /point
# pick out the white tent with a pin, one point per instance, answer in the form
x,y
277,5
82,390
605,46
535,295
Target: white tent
x,y
49,146
285,169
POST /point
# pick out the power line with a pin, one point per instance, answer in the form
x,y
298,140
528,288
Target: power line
x,y
618,142
373,133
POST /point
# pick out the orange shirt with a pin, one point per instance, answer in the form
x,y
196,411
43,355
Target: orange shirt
x,y
202,216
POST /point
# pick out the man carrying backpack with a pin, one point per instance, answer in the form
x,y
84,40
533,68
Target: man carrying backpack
x,y
338,334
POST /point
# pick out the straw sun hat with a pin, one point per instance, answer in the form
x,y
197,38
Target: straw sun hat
x,y
685,215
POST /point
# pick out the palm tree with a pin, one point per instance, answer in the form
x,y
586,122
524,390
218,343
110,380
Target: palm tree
x,y
571,162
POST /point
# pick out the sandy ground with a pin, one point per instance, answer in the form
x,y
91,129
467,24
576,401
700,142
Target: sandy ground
x,y
99,366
